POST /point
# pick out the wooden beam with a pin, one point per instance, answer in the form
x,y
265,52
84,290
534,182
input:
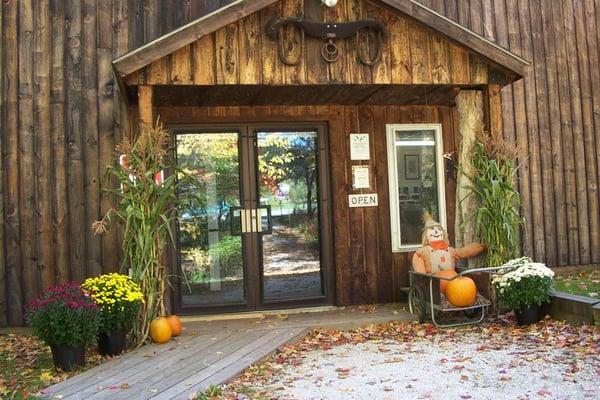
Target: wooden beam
x,y
10,163
470,107
493,111
187,34
3,316
42,53
462,35
146,116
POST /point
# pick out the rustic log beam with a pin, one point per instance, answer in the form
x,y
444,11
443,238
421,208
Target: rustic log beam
x,y
43,162
470,107
493,110
3,317
145,105
26,152
10,158
58,128
89,120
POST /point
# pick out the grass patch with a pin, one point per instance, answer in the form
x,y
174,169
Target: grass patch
x,y
26,367
586,283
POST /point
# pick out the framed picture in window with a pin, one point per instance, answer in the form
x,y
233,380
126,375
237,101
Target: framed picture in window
x,y
412,166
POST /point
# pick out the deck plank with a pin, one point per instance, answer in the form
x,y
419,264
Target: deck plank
x,y
110,374
227,369
161,377
135,379
119,363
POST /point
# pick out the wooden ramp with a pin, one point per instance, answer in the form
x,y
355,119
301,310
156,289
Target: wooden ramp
x,y
187,365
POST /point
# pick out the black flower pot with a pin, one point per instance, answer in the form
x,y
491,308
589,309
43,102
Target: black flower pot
x,y
112,343
68,358
528,315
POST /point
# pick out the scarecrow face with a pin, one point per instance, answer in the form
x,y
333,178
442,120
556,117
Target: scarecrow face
x,y
435,233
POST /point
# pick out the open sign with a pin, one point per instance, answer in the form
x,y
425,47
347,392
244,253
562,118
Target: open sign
x,y
363,200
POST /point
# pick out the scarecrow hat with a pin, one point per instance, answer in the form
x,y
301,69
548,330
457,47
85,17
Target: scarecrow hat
x,y
429,222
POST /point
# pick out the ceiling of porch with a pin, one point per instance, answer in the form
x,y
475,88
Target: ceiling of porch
x,y
258,95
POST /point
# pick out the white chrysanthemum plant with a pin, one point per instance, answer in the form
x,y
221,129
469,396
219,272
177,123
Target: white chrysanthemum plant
x,y
524,283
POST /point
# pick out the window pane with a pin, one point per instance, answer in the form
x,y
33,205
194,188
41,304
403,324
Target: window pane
x,y
212,266
417,181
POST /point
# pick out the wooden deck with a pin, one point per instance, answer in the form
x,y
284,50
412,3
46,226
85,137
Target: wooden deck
x,y
185,366
207,353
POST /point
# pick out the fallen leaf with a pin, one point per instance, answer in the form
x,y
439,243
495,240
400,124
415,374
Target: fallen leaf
x,y
46,377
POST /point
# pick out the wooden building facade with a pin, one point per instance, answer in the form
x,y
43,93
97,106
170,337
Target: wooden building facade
x,y
64,109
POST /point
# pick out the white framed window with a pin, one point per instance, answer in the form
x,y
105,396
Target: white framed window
x,y
416,180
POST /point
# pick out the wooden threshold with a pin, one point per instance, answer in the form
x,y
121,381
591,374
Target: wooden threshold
x,y
258,314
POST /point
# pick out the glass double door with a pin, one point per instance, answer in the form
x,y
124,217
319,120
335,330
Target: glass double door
x,y
251,229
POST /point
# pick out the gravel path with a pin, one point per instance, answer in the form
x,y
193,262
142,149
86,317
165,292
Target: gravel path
x,y
458,365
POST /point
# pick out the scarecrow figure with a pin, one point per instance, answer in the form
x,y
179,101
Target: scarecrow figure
x,y
436,254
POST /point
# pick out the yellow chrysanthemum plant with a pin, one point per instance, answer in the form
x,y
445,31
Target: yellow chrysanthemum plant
x,y
119,299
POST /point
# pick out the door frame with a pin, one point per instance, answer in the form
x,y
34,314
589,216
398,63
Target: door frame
x,y
247,131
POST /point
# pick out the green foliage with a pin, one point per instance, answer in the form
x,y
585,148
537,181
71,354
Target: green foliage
x,y
289,158
147,209
212,392
229,253
64,315
584,283
534,290
309,231
525,283
497,215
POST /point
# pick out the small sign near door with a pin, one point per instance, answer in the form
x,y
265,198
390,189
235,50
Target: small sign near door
x,y
360,177
359,147
363,200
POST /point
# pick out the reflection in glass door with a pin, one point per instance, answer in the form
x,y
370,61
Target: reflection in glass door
x,y
288,190
251,235
211,257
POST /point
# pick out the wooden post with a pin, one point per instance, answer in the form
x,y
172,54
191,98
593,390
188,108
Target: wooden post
x,y
3,319
42,53
470,109
146,116
493,111
59,151
89,123
26,150
10,159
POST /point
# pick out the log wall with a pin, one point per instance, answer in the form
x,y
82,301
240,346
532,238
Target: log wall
x,y
61,116
242,54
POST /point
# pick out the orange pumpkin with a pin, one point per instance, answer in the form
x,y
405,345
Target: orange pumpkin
x,y
450,273
175,325
461,292
160,330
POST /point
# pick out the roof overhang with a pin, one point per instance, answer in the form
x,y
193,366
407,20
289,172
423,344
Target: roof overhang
x,y
169,43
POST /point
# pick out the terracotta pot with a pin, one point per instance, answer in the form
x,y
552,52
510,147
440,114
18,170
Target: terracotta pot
x,y
68,358
112,343
528,315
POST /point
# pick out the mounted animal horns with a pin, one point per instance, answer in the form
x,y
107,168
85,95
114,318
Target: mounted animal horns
x,y
328,31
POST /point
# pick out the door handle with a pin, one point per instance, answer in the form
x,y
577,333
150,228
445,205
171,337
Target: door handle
x,y
251,220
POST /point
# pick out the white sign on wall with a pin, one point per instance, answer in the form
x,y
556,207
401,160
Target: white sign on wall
x,y
363,200
360,177
359,146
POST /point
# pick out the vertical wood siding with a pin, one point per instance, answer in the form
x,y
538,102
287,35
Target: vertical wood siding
x,y
61,114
